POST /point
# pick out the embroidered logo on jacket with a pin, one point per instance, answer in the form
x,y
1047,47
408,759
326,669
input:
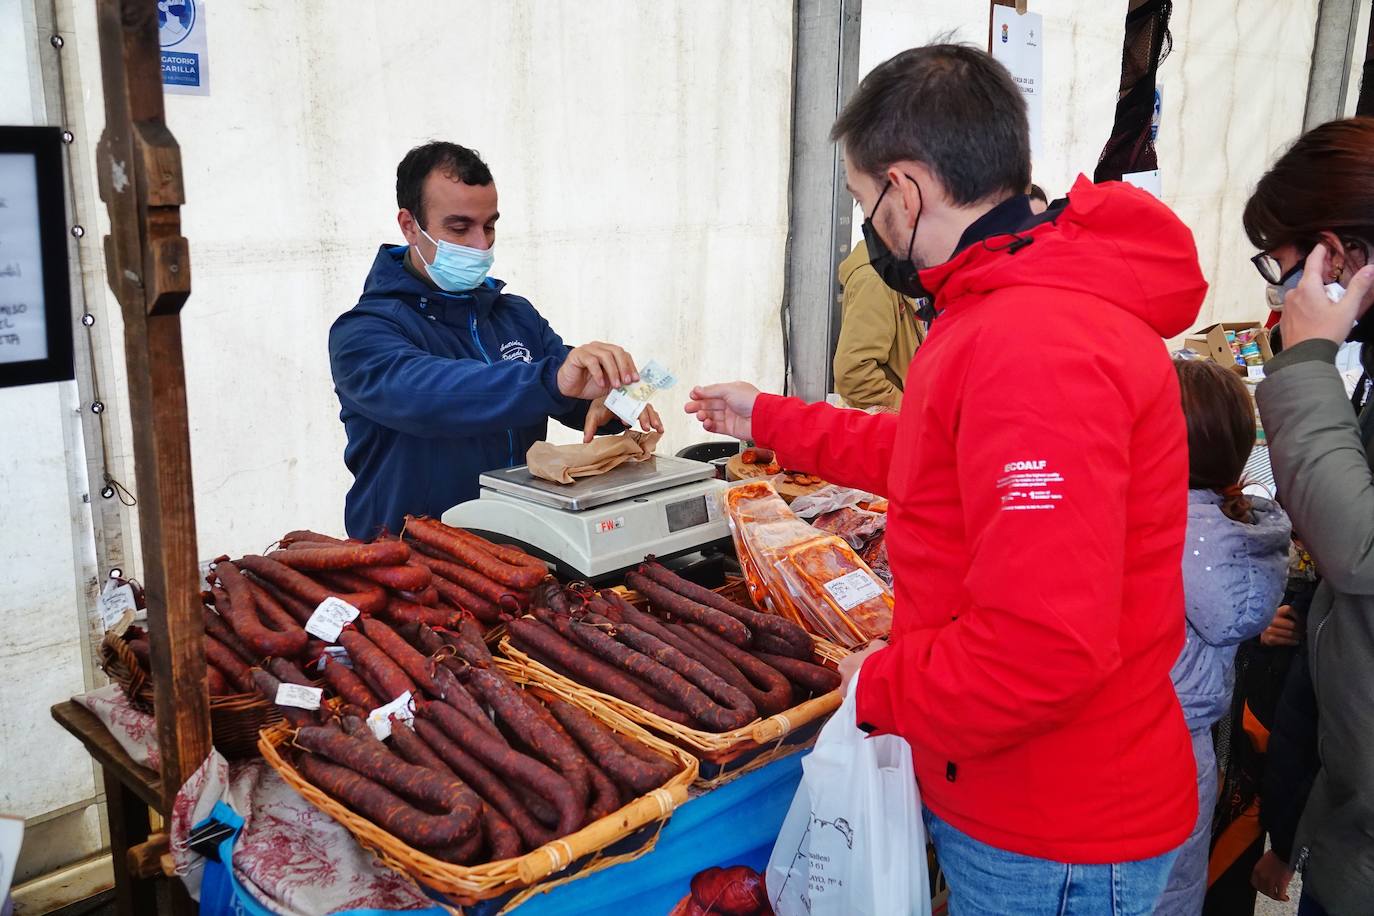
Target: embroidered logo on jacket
x,y
516,349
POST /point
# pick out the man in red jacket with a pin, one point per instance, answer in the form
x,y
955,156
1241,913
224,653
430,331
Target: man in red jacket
x,y
1037,477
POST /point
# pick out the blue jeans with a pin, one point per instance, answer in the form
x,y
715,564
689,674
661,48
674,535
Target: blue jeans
x,y
986,881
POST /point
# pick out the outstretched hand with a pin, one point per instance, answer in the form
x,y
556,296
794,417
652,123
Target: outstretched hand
x,y
726,408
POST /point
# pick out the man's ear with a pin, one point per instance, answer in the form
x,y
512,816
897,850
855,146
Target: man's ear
x,y
904,183
410,228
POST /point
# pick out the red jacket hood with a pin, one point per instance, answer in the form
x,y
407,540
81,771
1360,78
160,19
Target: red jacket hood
x,y
1113,240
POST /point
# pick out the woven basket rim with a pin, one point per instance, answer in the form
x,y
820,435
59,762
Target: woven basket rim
x,y
490,879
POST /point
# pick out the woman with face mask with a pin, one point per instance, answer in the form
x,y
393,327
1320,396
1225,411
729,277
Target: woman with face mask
x,y
1312,217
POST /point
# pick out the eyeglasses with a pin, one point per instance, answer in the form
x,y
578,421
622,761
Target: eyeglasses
x,y
1274,274
1270,269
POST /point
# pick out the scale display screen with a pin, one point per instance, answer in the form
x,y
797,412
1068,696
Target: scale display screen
x,y
687,513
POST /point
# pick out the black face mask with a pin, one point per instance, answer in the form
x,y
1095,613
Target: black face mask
x,y
899,273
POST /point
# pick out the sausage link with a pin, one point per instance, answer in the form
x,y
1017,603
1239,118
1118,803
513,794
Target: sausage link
x,y
456,695
605,794
399,611
707,712
488,610
509,704
297,608
767,642
373,666
271,611
343,556
348,686
780,628
283,669
473,580
243,616
428,596
304,535
666,768
302,586
266,684
547,645
811,678
511,764
216,682
488,785
401,652
407,577
670,602
562,624
735,704
772,690
600,745
376,802
218,627
472,551
223,658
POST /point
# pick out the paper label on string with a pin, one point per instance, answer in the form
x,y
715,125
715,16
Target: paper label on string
x,y
379,720
337,653
853,589
330,618
114,602
299,696
628,401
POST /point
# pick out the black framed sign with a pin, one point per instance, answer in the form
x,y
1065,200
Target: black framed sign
x,y
35,295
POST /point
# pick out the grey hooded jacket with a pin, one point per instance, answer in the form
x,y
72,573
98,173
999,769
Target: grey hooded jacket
x,y
1321,458
1233,578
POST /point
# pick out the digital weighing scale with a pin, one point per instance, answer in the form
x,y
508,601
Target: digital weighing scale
x,y
594,526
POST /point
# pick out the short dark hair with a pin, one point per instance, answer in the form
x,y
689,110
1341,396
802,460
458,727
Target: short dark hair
x,y
948,106
454,161
1325,181
1221,430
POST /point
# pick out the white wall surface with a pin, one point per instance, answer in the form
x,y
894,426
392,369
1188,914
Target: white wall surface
x,y
640,152
41,607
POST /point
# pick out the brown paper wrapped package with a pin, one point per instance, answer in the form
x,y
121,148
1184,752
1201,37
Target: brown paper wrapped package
x,y
564,463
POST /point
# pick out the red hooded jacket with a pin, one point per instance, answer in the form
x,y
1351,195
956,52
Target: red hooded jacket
x,y
1037,477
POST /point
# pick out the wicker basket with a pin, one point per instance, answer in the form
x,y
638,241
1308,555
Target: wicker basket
x,y
235,719
622,836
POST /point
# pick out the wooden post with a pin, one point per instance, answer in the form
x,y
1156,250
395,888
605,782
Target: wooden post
x,y
149,270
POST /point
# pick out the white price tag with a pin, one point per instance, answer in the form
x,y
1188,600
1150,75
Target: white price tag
x,y
330,618
114,602
853,589
299,696
338,654
1254,372
379,720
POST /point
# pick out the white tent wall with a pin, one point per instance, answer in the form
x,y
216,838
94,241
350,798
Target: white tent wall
x,y
640,152
46,544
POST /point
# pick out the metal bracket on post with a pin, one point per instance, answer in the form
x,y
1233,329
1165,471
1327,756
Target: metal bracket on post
x,y
148,267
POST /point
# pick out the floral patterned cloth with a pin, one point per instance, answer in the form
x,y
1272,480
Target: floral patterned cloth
x,y
292,857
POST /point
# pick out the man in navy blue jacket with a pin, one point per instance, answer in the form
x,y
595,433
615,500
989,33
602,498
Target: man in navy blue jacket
x,y
440,373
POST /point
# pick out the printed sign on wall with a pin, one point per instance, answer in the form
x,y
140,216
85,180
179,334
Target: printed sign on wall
x,y
1018,45
181,33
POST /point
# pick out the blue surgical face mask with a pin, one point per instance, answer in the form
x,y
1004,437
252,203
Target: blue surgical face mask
x,y
457,267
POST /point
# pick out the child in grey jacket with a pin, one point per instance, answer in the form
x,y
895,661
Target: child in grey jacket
x,y
1234,563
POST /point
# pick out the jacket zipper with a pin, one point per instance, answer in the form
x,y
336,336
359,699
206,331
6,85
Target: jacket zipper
x,y
1312,649
477,339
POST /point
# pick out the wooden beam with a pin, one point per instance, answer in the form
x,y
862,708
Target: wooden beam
x,y
149,270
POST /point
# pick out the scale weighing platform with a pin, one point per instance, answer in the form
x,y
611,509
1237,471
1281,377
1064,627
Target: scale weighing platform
x,y
599,525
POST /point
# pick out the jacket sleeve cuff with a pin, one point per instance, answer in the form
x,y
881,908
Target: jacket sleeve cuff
x,y
559,405
872,703
1316,350
770,416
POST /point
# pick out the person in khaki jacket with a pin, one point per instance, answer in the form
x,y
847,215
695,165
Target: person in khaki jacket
x,y
879,333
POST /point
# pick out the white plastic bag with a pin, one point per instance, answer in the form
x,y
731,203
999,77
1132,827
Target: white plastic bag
x,y
853,841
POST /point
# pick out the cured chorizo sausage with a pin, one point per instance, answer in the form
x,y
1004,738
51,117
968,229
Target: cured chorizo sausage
x,y
811,678
342,556
548,646
456,695
487,784
216,683
302,586
670,602
284,669
384,676
399,611
771,690
428,596
419,668
377,803
474,581
266,684
297,608
348,686
242,615
780,628
486,609
218,627
600,744
512,764
229,664
406,577
508,702
473,552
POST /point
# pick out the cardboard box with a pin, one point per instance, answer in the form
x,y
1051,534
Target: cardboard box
x,y
1211,341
